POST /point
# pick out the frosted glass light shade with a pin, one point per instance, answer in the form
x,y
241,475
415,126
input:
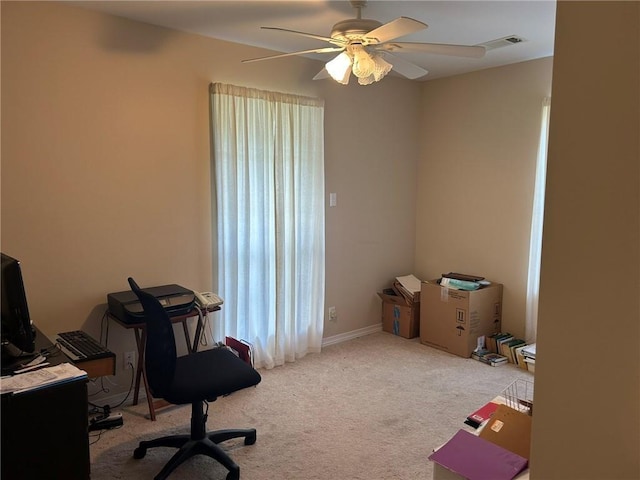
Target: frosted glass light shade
x,y
363,64
381,68
340,68
367,67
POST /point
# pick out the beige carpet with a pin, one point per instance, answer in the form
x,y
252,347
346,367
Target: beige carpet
x,y
370,408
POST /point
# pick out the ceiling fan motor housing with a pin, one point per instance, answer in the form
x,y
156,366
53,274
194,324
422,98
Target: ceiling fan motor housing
x,y
353,29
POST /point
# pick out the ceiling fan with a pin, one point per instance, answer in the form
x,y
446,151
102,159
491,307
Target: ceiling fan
x,y
368,50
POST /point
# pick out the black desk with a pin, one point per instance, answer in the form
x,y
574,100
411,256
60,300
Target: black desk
x,y
45,431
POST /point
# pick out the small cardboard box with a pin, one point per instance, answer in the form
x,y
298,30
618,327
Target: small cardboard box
x,y
399,317
452,320
509,429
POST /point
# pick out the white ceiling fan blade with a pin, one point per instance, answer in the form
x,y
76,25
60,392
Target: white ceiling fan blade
x,y
405,68
395,28
437,48
335,41
302,52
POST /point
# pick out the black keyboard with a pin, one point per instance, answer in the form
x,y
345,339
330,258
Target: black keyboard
x,y
77,345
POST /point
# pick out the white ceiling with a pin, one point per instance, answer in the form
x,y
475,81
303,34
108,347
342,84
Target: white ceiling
x,y
455,22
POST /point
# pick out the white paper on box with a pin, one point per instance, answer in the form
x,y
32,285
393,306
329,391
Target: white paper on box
x,y
410,282
444,294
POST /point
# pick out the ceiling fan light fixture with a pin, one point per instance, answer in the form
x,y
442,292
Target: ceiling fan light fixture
x,y
369,48
340,68
366,80
382,67
363,64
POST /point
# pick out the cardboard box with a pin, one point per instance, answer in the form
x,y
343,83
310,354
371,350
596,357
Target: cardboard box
x,y
399,317
452,320
510,429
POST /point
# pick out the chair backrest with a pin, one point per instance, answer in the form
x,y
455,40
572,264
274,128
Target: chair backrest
x,y
160,346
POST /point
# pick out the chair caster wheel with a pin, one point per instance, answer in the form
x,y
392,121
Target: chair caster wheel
x,y
233,474
250,439
139,453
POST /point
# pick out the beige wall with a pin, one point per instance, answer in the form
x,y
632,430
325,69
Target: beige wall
x,y
105,164
587,420
105,174
371,150
479,142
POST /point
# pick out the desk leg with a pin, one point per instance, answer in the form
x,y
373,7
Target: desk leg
x,y
140,339
185,327
196,338
152,407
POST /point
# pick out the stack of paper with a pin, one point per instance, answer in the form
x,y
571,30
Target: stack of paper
x,y
241,348
530,351
25,382
409,287
529,356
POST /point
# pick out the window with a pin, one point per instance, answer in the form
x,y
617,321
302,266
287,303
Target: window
x,y
268,156
537,219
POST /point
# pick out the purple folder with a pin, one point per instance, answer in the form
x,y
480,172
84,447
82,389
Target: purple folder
x,y
478,459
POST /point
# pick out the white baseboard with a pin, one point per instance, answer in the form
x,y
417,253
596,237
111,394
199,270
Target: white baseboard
x,y
343,337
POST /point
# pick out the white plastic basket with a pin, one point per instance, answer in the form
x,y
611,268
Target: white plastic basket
x,y
519,396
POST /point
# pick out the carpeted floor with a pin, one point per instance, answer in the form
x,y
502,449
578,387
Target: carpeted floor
x,y
367,409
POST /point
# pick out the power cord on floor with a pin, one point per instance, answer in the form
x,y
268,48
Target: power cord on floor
x,y
105,420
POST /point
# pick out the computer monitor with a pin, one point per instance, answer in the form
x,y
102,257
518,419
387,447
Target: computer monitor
x,y
18,334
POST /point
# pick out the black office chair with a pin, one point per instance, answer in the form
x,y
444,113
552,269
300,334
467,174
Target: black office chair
x,y
197,378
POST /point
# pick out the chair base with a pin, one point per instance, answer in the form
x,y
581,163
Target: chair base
x,y
188,446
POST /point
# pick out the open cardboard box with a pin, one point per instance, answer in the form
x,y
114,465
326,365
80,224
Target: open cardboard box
x,y
452,320
399,316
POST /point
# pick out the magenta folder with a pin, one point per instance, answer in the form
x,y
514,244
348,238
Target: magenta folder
x,y
475,458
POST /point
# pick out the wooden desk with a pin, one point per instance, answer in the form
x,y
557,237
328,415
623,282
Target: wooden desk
x,y
140,333
98,367
95,367
45,431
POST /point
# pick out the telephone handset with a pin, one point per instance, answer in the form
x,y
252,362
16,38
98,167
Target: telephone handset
x,y
208,299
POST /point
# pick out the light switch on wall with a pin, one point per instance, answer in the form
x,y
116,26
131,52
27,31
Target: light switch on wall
x,y
333,199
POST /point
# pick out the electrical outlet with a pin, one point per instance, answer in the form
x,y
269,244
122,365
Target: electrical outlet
x,y
129,358
333,314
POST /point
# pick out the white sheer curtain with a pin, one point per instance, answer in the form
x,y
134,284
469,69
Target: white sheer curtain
x,y
537,219
268,154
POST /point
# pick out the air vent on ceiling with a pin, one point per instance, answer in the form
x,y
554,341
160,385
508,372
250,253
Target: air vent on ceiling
x,y
502,42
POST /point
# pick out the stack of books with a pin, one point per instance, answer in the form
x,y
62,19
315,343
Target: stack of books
x,y
509,346
501,348
490,358
481,415
529,357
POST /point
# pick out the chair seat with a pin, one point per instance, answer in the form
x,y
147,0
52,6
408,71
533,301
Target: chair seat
x,y
227,374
